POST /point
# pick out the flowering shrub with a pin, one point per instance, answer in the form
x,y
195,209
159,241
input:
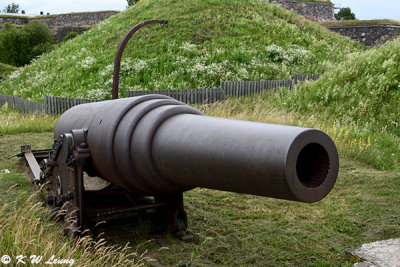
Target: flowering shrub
x,y
87,63
292,55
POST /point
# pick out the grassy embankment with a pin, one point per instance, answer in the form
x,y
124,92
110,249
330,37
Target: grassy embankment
x,y
361,96
205,42
252,230
359,93
6,69
341,23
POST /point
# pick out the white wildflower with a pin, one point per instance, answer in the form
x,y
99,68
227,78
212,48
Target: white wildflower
x,y
87,63
186,46
14,75
243,73
98,94
107,71
139,65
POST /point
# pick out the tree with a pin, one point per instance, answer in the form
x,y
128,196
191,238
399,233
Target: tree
x,y
11,8
132,2
19,46
345,14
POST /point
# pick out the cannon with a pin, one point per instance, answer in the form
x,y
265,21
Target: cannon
x,y
150,149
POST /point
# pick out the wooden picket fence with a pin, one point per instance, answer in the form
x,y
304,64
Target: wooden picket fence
x,y
304,77
211,95
21,104
57,105
192,96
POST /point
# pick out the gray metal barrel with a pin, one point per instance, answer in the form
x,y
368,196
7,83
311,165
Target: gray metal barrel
x,y
156,145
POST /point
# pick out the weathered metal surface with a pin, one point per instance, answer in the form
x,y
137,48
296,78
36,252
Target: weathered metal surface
x,y
120,51
31,160
155,145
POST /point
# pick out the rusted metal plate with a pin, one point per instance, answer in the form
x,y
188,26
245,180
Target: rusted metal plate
x,y
31,160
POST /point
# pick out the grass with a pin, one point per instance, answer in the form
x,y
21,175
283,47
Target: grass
x,y
12,121
229,228
6,69
24,225
13,17
260,108
204,43
24,228
342,23
355,102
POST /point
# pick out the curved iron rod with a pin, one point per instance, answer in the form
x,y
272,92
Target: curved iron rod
x,y
120,50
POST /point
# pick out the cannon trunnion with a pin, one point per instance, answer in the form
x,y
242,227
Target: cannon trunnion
x,y
153,148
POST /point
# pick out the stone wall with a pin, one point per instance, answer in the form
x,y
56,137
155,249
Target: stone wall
x,y
310,10
13,20
61,32
369,35
63,24
76,19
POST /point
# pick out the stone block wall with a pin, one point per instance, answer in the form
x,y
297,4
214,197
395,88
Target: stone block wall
x,y
13,20
310,10
369,35
76,19
63,24
61,32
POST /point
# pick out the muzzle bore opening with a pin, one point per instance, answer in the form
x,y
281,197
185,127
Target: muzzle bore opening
x,y
312,165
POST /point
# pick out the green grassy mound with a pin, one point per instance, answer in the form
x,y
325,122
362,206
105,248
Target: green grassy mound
x,y
206,41
343,23
363,92
6,69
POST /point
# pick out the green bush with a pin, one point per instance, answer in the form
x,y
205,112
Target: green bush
x,y
19,46
70,36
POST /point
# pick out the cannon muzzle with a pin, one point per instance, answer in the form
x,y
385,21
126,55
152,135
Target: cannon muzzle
x,y
155,145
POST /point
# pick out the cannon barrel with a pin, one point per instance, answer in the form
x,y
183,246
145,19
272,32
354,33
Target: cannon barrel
x,y
156,145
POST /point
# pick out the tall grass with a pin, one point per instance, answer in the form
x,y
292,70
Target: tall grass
x,y
341,23
6,69
350,140
25,230
13,121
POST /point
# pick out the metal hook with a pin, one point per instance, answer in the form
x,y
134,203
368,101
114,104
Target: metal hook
x,y
121,48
